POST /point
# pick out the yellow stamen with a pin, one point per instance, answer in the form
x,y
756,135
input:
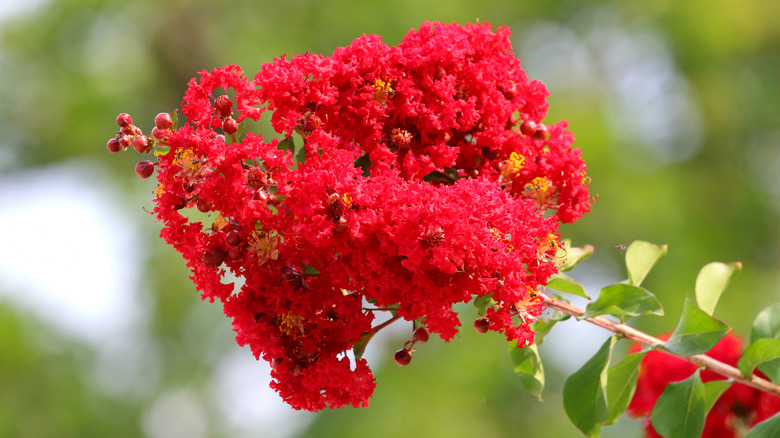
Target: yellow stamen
x,y
546,245
541,190
513,165
290,324
382,90
264,245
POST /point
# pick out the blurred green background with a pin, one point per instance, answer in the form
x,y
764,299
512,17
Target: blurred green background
x,y
675,105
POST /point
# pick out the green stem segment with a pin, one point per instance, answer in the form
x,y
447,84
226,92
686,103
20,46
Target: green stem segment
x,y
638,336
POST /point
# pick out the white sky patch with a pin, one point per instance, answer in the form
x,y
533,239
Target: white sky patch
x,y
67,256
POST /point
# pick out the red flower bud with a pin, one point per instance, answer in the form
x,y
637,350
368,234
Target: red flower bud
x,y
163,121
224,106
144,169
421,335
203,205
160,134
141,144
403,357
541,132
528,127
481,325
233,238
125,141
214,257
113,146
124,120
230,126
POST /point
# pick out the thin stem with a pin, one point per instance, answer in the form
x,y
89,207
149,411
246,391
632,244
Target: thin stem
x,y
385,324
636,335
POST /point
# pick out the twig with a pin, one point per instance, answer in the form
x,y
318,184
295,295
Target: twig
x,y
636,335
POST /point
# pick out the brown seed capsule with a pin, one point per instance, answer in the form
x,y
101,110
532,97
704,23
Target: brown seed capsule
x,y
403,357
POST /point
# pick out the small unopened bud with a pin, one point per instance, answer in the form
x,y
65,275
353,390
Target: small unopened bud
x,y
113,146
541,132
203,205
141,144
528,127
230,126
403,357
481,325
233,238
124,120
160,134
163,121
214,257
124,141
421,335
144,169
224,105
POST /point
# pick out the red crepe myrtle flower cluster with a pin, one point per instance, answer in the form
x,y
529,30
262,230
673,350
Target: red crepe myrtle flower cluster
x,y
425,178
735,412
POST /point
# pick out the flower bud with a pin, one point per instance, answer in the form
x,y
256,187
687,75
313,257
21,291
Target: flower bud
x,y
124,120
144,169
481,325
203,205
233,238
160,134
541,132
421,335
528,127
224,105
125,141
113,146
214,257
403,357
163,121
141,144
230,126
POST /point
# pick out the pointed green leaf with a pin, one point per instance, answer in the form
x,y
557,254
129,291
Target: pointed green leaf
x,y
359,347
712,392
621,384
161,150
712,281
574,255
767,324
769,428
584,397
564,283
528,365
697,332
640,258
287,144
482,302
623,300
759,351
679,411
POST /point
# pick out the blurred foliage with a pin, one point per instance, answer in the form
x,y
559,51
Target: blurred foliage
x,y
68,67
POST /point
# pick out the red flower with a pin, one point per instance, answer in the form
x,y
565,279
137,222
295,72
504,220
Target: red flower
x,y
738,409
412,189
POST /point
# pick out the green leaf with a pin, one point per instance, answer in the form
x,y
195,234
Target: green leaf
x,y
767,324
623,300
640,258
712,281
712,392
287,144
679,411
359,347
528,365
564,283
769,428
584,398
574,255
482,302
175,119
621,384
759,351
697,332
161,150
